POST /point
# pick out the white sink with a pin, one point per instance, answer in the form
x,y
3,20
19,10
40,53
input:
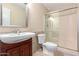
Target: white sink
x,y
15,38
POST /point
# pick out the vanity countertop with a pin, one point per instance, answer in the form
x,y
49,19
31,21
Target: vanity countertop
x,y
16,37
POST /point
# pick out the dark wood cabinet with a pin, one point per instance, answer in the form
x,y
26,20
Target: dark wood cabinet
x,y
13,52
23,48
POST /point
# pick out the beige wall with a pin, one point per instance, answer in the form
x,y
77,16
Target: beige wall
x,y
37,17
36,21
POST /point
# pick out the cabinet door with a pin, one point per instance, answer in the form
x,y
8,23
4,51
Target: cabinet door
x,y
13,52
25,50
30,49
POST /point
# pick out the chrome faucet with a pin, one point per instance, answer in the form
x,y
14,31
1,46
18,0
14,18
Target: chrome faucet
x,y
17,30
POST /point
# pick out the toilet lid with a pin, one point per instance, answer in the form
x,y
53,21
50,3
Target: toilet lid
x,y
50,44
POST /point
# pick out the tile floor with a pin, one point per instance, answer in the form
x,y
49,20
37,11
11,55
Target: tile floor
x,y
58,52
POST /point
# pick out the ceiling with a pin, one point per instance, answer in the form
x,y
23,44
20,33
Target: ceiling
x,y
58,6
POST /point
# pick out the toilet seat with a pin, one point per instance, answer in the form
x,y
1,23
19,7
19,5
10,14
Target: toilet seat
x,y
49,44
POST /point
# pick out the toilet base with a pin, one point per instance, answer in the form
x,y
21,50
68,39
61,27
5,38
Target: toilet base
x,y
47,52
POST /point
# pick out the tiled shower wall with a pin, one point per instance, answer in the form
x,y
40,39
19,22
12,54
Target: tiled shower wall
x,y
66,33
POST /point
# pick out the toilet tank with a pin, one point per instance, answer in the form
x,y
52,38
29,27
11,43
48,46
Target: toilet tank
x,y
41,38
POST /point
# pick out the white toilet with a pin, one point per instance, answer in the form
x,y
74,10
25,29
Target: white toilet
x,y
48,47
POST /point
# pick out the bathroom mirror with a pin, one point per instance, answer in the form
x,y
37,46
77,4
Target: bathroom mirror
x,y
14,14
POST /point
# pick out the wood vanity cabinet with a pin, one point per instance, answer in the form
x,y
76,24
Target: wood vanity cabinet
x,y
23,48
13,51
